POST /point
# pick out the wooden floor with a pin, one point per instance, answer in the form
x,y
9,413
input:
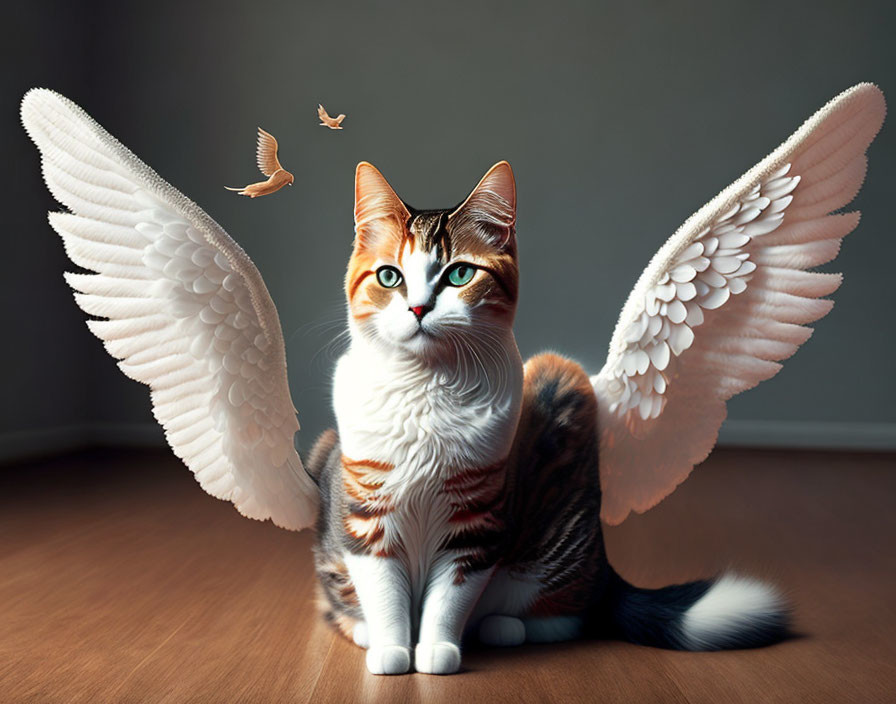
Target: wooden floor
x,y
121,581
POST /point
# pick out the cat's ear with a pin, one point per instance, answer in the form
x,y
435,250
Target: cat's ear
x,y
376,204
491,207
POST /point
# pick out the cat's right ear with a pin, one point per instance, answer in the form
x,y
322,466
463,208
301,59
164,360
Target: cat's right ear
x,y
376,205
490,210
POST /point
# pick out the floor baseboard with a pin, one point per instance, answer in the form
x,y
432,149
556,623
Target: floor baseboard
x,y
828,435
29,444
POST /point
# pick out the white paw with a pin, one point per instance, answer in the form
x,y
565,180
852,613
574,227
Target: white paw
x,y
437,658
502,631
389,660
360,635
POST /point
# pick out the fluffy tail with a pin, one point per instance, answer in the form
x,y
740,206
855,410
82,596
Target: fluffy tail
x,y
730,612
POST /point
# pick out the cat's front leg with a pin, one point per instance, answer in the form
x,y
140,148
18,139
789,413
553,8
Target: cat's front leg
x,y
384,591
450,596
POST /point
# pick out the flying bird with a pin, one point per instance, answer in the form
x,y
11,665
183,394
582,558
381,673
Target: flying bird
x,y
334,123
266,155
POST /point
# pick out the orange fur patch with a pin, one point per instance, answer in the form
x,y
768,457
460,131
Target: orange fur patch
x,y
569,376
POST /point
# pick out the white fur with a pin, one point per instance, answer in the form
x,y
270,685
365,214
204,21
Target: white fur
x,y
384,593
731,604
361,635
441,658
446,608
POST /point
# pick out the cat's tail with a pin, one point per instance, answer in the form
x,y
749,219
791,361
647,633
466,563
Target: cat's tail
x,y
728,612
320,453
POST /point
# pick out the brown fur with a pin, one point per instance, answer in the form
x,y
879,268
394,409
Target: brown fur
x,y
555,491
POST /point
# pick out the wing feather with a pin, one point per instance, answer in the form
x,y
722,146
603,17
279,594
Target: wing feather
x,y
725,300
266,153
185,312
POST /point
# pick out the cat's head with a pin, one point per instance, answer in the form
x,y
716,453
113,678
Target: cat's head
x,y
427,281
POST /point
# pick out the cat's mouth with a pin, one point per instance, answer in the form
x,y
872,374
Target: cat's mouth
x,y
421,341
420,336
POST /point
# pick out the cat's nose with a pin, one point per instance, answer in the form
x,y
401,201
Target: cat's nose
x,y
420,311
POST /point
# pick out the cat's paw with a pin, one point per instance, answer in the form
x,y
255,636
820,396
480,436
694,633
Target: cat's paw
x,y
503,631
360,635
437,658
389,660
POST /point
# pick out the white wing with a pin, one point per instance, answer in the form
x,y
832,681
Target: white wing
x,y
724,300
186,313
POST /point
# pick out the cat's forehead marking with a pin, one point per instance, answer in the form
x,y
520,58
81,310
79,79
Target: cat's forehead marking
x,y
429,231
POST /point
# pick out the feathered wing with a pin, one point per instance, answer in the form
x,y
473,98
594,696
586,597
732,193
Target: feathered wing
x,y
725,299
185,310
322,113
266,153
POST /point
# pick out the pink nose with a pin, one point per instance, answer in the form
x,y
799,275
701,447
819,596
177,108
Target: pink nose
x,y
420,311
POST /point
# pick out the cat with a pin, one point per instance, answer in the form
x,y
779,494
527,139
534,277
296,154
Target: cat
x,y
461,490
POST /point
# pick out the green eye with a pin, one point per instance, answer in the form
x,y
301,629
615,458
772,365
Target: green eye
x,y
460,274
388,276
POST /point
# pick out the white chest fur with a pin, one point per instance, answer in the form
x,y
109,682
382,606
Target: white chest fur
x,y
426,422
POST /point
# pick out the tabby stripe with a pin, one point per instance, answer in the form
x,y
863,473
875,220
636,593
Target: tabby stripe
x,y
474,522
356,480
476,493
467,478
356,489
365,512
369,531
370,464
357,282
499,280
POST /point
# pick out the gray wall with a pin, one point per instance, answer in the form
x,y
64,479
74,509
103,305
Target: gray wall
x,y
619,120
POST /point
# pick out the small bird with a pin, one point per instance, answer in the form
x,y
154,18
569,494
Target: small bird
x,y
266,156
334,123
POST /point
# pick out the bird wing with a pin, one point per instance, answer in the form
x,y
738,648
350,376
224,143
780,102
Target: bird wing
x,y
322,114
266,153
184,310
725,299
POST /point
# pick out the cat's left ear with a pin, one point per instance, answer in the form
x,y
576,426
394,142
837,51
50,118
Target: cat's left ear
x,y
491,207
378,209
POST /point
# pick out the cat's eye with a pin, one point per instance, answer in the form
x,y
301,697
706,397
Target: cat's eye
x,y
388,276
460,274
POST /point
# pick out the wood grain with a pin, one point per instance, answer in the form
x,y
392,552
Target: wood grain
x,y
120,580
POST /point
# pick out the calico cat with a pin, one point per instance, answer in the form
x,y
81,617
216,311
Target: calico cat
x,y
462,489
